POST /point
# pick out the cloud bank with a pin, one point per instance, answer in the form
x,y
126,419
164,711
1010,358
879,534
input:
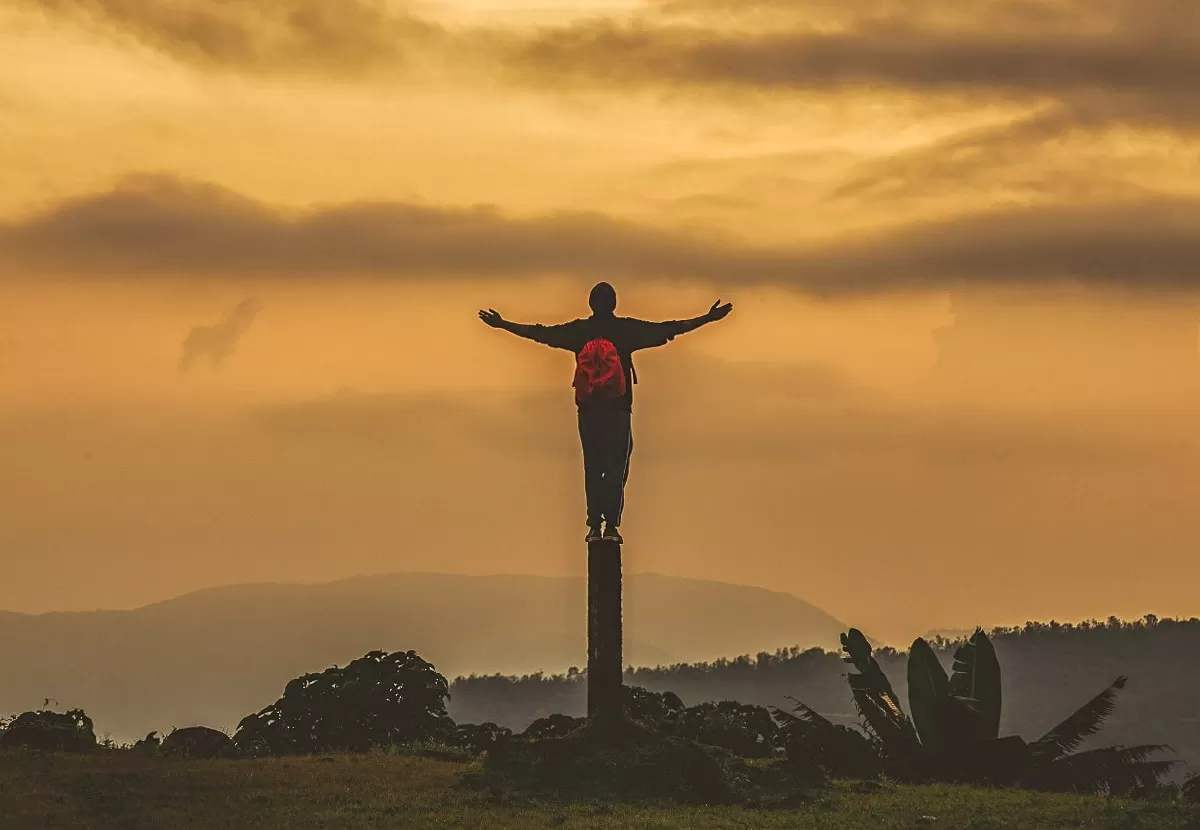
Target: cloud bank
x,y
304,36
161,226
1131,61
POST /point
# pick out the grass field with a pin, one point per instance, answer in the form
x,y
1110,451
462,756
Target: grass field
x,y
130,792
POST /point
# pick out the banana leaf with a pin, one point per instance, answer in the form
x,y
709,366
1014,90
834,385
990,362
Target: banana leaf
x,y
928,695
888,724
858,653
875,699
801,716
976,679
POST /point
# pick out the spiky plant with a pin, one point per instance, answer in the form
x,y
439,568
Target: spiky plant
x,y
1119,770
840,751
1191,788
877,703
954,732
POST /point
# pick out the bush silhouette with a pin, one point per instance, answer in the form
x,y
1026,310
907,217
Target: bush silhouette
x,y
841,752
743,729
553,726
479,737
198,742
659,710
378,700
50,732
149,745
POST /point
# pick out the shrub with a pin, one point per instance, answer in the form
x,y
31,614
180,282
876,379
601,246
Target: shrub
x,y
149,745
1191,788
841,752
378,700
479,737
554,726
50,732
198,742
741,728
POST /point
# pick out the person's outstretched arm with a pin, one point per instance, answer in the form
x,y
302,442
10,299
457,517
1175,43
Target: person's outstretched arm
x,y
649,335
554,336
717,312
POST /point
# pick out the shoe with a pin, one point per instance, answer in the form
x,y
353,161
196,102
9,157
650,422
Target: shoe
x,y
611,534
594,535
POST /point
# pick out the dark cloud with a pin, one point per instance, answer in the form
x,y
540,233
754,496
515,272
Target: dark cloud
x,y
163,227
1146,17
970,157
259,35
902,57
1126,59
160,225
217,341
1112,61
1108,61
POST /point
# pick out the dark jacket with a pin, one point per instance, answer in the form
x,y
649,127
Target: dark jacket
x,y
628,334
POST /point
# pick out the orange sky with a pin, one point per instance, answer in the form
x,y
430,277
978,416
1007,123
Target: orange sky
x,y
960,385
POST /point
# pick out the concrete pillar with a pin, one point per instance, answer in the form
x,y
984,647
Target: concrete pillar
x,y
604,667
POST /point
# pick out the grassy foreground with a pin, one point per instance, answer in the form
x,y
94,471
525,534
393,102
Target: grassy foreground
x,y
121,790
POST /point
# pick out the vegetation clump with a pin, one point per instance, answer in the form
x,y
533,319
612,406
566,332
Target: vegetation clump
x,y
50,731
839,751
1191,788
477,738
714,753
655,753
379,700
198,742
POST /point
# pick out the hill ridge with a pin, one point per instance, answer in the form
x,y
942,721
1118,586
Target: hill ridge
x,y
238,586
215,654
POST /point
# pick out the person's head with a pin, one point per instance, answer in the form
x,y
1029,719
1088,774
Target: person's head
x,y
603,299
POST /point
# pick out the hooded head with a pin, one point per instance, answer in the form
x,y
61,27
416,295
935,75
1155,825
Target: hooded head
x,y
603,300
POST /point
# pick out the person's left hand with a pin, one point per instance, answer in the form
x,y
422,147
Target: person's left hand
x,y
718,311
491,317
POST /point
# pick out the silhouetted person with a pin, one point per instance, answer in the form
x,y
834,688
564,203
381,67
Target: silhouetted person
x,y
604,345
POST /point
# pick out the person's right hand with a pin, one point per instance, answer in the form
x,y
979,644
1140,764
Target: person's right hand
x,y
491,317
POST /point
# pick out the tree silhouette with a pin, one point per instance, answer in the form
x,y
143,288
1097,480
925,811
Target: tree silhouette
x,y
378,700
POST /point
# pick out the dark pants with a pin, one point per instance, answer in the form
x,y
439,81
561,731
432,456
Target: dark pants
x,y
607,439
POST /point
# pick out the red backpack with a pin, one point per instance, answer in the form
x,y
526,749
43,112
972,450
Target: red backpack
x,y
599,374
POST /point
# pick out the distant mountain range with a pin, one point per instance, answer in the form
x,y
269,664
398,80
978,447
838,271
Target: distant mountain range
x,y
212,656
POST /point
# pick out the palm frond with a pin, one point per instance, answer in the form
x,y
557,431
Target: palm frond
x,y
1085,721
784,718
1114,770
801,715
1191,788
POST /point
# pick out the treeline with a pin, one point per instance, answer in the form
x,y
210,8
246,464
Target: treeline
x,y
1050,666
